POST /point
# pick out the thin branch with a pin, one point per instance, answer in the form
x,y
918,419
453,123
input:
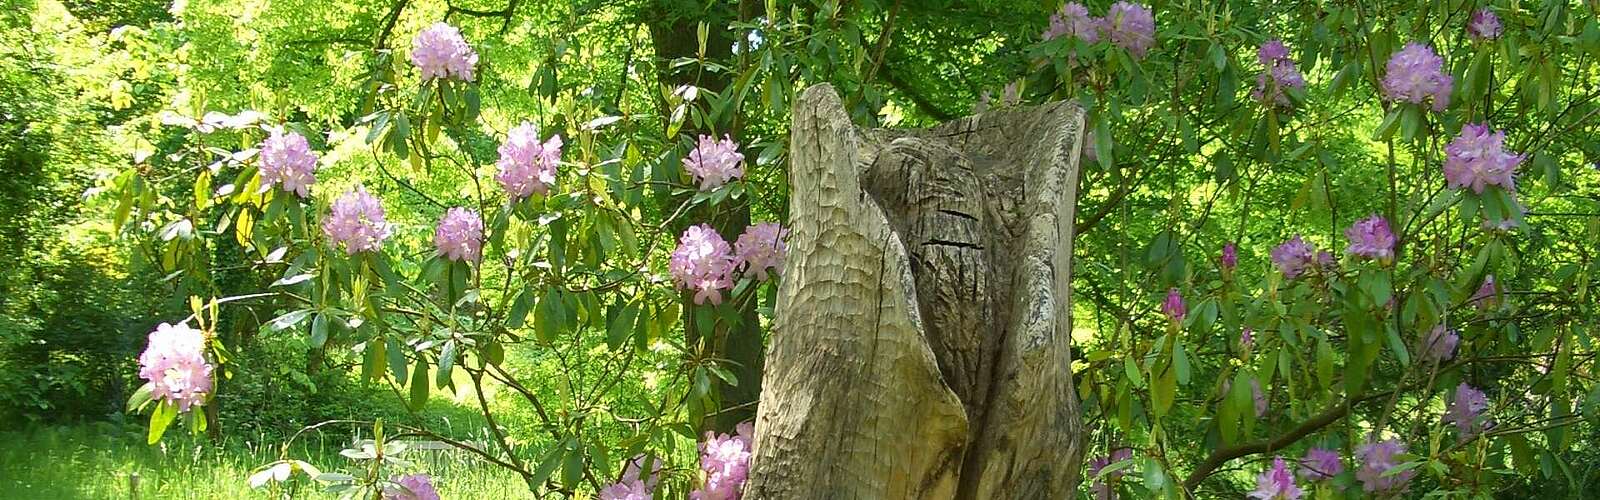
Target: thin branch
x,y
916,97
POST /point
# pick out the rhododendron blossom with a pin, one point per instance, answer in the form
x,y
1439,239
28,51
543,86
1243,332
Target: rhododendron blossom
x,y
1174,307
528,166
1130,26
1484,25
411,487
1320,464
1104,488
1416,74
440,52
1073,20
1440,344
287,162
1279,73
1464,410
760,248
1477,159
1276,483
459,235
1247,338
713,162
626,490
726,462
1259,398
174,362
703,262
1371,238
356,221
1293,256
1230,257
1484,297
1376,459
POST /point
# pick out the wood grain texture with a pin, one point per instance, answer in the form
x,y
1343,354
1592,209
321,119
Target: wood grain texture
x,y
922,333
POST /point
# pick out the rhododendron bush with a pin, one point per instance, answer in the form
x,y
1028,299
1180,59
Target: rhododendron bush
x,y
1323,250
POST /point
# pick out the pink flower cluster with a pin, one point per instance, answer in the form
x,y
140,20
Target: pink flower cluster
x,y
1464,410
705,263
1376,459
713,162
1073,20
174,362
356,221
1320,464
1105,487
1485,296
1279,74
1441,344
439,52
1130,26
1293,257
1477,159
1174,307
287,162
1276,483
1484,25
633,486
726,462
528,166
1371,238
459,235
1416,74
626,490
760,248
411,487
1230,257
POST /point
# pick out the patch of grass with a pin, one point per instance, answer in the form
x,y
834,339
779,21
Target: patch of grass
x,y
96,461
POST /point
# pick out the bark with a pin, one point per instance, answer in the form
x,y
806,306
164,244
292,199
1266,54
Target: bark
x,y
921,341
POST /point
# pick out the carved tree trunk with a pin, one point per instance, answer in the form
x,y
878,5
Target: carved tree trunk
x,y
921,344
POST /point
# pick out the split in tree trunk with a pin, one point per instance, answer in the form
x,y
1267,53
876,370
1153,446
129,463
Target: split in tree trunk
x,y
923,326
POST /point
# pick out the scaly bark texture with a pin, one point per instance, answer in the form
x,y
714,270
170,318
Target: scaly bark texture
x,y
922,334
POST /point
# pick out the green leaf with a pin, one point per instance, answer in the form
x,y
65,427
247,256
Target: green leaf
x,y
1103,147
1391,123
621,325
519,309
1325,362
397,359
1397,345
447,361
319,330
1180,362
1163,390
141,396
548,463
572,469
419,384
290,319
165,413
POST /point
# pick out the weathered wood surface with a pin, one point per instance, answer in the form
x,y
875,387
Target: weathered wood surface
x,y
922,333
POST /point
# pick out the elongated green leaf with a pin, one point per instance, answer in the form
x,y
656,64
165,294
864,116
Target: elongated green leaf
x,y
419,385
162,417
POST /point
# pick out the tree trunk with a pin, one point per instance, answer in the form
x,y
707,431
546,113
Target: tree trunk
x,y
923,326
740,343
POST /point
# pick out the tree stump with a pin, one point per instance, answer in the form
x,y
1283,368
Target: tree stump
x,y
921,341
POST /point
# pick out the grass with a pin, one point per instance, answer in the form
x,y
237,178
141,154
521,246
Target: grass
x,y
96,461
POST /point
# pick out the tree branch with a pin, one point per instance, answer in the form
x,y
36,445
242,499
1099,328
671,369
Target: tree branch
x,y
1223,455
916,97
